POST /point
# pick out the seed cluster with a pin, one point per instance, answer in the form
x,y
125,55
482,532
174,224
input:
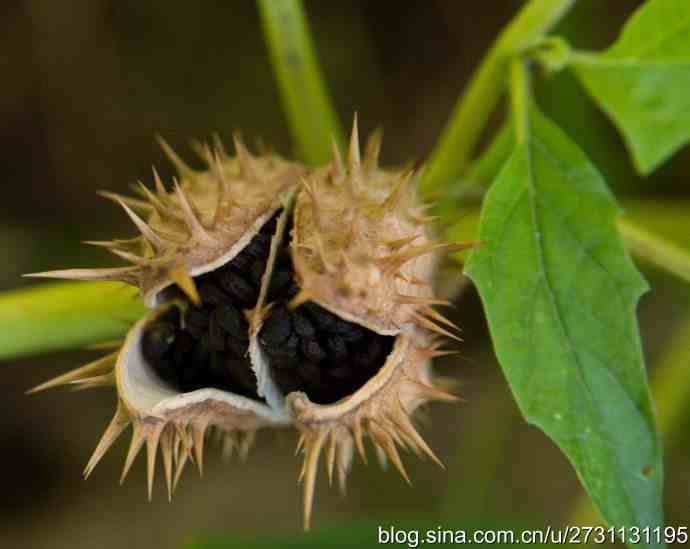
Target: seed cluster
x,y
309,348
208,346
312,350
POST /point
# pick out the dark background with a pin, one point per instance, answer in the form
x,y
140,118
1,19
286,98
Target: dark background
x,y
84,87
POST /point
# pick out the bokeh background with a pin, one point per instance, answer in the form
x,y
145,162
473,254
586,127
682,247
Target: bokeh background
x,y
84,87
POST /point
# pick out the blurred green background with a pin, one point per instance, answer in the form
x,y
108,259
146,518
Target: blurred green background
x,y
86,84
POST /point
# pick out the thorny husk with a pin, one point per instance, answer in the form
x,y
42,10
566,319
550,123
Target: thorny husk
x,y
281,297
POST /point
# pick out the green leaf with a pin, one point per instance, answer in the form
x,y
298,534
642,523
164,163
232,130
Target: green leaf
x,y
642,81
560,294
313,121
65,315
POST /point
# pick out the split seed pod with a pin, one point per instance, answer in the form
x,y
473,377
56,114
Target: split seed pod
x,y
280,296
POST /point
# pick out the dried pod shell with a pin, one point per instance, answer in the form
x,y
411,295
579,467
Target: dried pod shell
x,y
202,224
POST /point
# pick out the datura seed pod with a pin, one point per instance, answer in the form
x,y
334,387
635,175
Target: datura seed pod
x,y
280,296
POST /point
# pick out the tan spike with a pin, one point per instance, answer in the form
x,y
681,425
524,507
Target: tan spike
x,y
245,444
137,259
134,203
372,150
154,200
397,260
152,440
166,452
185,282
438,317
419,300
358,435
353,156
182,168
108,244
312,452
163,196
198,436
134,447
105,345
429,325
181,462
398,193
103,380
338,167
146,231
117,425
330,456
300,443
401,419
402,242
229,443
248,168
415,281
128,275
344,462
432,393
203,151
381,457
384,441
99,366
190,218
219,147
223,188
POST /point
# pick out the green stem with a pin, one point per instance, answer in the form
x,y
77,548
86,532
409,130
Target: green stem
x,y
519,98
65,315
655,249
312,119
452,155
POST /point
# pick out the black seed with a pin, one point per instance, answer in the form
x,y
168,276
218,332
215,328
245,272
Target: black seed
x,y
341,373
280,281
277,328
354,333
236,347
321,317
196,317
210,293
184,344
370,354
312,351
337,348
292,291
256,271
269,227
157,340
240,263
232,321
259,246
283,259
216,334
302,325
238,288
241,374
165,368
287,381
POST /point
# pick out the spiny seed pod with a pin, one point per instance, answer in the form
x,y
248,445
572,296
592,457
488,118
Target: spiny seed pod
x,y
280,296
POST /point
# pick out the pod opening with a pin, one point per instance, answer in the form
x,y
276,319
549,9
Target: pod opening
x,y
206,346
312,350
